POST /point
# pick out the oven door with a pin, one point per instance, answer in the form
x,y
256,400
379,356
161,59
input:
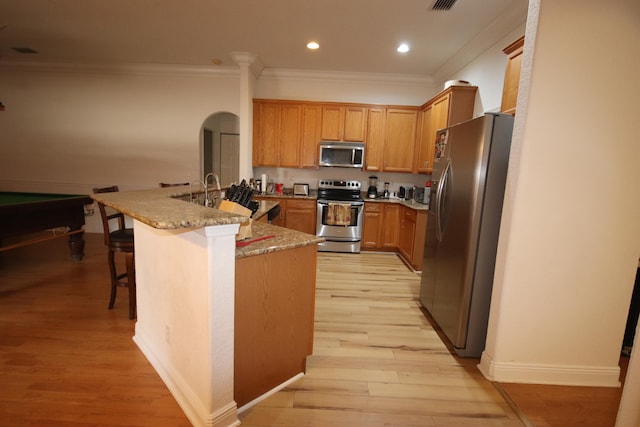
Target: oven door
x,y
326,222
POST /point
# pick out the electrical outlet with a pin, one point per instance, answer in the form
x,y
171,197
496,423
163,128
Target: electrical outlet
x,y
167,334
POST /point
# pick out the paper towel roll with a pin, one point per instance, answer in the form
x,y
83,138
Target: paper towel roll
x,y
263,183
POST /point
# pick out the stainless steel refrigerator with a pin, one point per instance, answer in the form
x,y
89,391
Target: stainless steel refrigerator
x,y
467,190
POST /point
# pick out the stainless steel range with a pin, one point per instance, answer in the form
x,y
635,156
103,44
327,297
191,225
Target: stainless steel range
x,y
340,214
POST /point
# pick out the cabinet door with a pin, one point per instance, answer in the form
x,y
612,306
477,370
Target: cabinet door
x,y
311,129
391,226
355,124
372,225
400,139
512,76
290,132
425,142
332,122
266,133
440,114
407,233
301,215
374,143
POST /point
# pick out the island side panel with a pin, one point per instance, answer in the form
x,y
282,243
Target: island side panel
x,y
274,315
185,296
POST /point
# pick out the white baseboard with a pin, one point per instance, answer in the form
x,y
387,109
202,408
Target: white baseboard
x,y
190,404
572,375
269,393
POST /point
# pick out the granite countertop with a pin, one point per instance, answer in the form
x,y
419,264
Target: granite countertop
x,y
166,208
313,195
408,203
162,208
284,238
288,194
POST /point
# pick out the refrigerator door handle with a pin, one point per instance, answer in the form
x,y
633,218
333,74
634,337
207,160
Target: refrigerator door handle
x,y
442,185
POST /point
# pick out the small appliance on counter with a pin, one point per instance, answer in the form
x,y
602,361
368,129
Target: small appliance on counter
x,y
300,189
372,191
385,193
406,193
422,194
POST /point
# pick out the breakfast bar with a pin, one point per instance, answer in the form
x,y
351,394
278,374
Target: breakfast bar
x,y
222,323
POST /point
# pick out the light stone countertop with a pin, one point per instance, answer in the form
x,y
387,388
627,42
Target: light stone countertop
x,y
408,203
163,208
159,208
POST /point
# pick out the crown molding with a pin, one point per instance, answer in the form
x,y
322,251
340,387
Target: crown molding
x,y
504,24
127,68
402,79
249,59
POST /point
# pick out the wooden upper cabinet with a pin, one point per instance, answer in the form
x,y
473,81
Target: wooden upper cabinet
x,y
266,125
355,124
311,129
290,135
285,133
374,142
400,139
425,142
452,105
344,123
512,76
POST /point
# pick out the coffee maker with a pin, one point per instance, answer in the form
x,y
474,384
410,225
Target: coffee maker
x,y
372,192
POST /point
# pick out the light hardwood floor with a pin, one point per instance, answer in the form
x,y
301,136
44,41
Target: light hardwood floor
x,y
65,360
377,361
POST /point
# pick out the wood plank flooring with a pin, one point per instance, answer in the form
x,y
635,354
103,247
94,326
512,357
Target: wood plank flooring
x,y
65,360
377,361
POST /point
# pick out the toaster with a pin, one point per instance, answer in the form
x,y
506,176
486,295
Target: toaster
x,y
300,189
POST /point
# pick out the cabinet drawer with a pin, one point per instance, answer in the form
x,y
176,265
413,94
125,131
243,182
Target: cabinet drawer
x,y
300,204
410,215
373,207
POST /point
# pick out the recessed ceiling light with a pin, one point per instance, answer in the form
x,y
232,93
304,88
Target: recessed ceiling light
x,y
403,48
313,45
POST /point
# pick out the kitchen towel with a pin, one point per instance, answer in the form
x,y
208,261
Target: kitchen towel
x,y
339,214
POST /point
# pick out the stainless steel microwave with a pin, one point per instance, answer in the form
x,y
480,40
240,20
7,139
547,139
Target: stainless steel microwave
x,y
341,154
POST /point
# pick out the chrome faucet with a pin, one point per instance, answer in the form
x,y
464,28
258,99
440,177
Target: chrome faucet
x,y
207,201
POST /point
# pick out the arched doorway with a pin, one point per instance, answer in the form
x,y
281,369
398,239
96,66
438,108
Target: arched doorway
x,y
220,138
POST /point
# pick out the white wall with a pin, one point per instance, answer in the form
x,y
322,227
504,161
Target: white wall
x,y
72,128
75,128
487,72
345,87
570,236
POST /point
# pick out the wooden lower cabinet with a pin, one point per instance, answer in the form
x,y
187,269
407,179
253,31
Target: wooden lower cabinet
x,y
372,225
301,215
394,227
274,313
296,214
380,228
407,233
413,227
390,226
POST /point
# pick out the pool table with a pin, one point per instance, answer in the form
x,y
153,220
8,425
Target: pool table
x,y
22,214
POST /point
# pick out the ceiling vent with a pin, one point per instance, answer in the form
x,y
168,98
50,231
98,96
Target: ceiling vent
x,y
443,4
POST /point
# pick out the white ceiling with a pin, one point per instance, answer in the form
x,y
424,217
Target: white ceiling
x,y
354,35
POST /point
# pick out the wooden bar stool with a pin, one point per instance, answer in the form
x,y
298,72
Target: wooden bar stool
x,y
119,239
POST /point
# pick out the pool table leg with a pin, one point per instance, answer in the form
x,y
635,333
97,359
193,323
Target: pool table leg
x,y
76,246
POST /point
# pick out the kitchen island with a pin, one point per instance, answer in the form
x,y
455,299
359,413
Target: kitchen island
x,y
195,288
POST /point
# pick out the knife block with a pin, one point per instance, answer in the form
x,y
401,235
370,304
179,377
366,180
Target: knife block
x,y
245,227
